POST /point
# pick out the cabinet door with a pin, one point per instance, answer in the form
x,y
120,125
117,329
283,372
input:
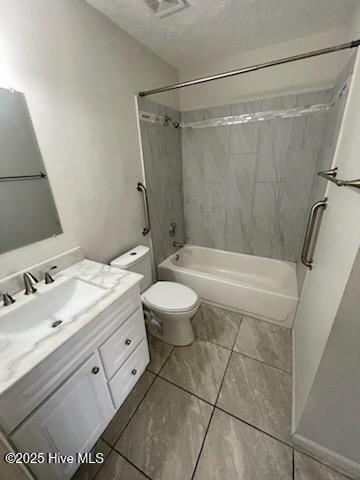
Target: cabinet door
x,y
70,421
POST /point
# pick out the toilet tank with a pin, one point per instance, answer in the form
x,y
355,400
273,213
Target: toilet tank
x,y
137,260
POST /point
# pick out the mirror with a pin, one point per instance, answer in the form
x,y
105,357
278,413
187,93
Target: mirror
x,y
27,209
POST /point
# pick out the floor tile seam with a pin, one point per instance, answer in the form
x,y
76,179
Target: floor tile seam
x,y
214,343
106,457
237,333
136,409
293,463
211,416
187,391
166,360
131,463
289,445
203,443
260,361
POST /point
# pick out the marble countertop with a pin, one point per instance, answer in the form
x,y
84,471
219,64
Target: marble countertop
x,y
20,353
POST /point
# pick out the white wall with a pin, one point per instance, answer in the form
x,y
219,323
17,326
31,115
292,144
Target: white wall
x,y
305,75
79,72
337,246
331,414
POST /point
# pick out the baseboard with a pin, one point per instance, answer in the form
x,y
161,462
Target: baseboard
x,y
329,457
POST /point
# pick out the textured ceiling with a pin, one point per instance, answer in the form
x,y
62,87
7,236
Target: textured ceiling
x,y
211,29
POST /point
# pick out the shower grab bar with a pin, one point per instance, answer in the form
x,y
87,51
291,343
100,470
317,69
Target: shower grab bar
x,y
309,244
331,176
140,188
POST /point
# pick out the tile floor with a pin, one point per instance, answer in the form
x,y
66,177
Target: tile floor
x,y
217,409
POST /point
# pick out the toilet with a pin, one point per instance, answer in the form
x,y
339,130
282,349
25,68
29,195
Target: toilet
x,y
169,306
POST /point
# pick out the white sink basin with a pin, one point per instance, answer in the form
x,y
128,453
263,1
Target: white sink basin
x,y
60,304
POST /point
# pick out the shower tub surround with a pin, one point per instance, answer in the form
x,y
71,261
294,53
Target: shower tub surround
x,y
250,184
161,146
264,288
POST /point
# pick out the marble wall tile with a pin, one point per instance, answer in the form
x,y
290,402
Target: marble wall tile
x,y
240,179
244,138
278,103
245,107
308,131
264,233
123,415
258,394
164,437
164,179
245,188
216,325
238,229
256,191
206,225
274,144
198,368
236,451
313,98
265,342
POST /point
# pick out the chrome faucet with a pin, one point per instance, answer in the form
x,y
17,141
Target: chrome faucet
x,y
178,244
7,299
28,281
48,278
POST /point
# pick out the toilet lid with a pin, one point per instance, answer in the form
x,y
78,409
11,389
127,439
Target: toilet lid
x,y
170,296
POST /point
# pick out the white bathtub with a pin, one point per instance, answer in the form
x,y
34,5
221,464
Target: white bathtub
x,y
260,287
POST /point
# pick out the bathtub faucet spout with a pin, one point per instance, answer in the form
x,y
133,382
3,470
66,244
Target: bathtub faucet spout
x,y
178,244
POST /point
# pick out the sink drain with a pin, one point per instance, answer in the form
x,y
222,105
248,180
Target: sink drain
x,y
56,324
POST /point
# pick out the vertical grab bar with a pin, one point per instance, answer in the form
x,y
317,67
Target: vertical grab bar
x,y
140,188
306,258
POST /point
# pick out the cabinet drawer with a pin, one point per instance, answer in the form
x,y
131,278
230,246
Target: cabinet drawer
x,y
118,347
124,380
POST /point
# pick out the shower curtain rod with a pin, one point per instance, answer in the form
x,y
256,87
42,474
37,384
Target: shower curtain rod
x,y
260,66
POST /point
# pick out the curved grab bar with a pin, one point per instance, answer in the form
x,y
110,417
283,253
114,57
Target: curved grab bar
x,y
308,262
140,188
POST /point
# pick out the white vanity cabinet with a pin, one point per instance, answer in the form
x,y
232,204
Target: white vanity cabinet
x,y
70,421
64,404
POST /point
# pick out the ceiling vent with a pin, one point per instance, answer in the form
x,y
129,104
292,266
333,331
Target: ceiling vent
x,y
162,8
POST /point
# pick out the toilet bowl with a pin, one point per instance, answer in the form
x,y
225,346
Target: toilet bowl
x,y
169,306
172,305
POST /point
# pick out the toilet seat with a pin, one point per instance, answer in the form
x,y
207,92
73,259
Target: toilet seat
x,y
170,297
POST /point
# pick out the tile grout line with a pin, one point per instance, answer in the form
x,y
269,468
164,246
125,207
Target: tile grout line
x,y
253,358
103,464
289,445
113,448
232,349
133,464
261,361
187,391
212,413
131,416
167,358
293,463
